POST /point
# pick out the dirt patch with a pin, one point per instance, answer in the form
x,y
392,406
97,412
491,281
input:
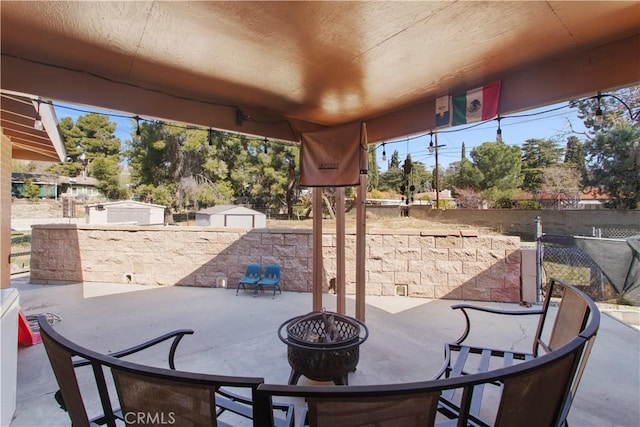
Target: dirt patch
x,y
383,222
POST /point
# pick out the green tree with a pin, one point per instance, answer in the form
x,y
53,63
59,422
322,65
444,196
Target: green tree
x,y
391,180
31,190
538,154
468,176
373,174
197,168
613,164
394,163
499,165
94,150
574,153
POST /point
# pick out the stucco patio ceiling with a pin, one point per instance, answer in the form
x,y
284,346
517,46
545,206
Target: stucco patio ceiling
x,y
289,67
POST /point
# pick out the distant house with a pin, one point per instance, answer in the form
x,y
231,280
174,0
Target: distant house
x,y
565,199
230,216
54,186
125,212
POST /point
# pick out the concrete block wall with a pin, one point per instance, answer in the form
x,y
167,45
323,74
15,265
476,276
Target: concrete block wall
x,y
450,264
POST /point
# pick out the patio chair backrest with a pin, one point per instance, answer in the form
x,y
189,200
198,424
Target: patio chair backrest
x,y
570,320
162,396
164,401
60,352
537,397
253,271
533,395
272,271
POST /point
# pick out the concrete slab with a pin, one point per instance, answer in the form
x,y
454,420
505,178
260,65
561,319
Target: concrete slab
x,y
237,335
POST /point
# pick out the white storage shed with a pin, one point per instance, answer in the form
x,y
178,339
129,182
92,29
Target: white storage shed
x,y
231,216
125,212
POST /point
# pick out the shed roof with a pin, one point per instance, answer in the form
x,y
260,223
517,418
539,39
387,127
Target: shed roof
x,y
128,204
237,210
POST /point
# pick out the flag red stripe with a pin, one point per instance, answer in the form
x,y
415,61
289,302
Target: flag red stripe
x,y
490,98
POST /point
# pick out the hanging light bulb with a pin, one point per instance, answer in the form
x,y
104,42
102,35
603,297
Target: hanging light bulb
x,y
138,136
599,113
210,137
265,145
384,153
499,131
431,147
37,123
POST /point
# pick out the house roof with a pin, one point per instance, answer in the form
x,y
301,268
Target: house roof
x,y
276,69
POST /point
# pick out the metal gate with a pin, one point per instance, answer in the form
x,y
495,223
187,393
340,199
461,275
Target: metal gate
x,y
20,252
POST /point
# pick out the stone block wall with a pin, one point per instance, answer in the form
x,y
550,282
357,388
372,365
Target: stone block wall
x,y
433,264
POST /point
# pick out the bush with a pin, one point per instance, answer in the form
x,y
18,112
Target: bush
x,y
504,203
530,205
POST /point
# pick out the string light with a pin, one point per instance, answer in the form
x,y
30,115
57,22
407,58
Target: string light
x,y
598,115
138,135
37,123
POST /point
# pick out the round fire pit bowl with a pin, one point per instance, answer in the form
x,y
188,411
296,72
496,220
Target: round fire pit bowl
x,y
323,346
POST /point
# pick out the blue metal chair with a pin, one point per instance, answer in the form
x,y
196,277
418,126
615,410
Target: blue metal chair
x,y
271,278
251,277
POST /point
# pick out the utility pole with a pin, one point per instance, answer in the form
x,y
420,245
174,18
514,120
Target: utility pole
x,y
433,148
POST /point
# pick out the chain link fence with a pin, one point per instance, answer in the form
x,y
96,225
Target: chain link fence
x,y
20,251
561,258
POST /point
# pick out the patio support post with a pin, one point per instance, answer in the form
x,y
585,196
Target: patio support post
x,y
317,249
361,226
340,251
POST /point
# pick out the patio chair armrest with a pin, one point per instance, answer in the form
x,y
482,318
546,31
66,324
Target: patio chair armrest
x,y
176,335
465,307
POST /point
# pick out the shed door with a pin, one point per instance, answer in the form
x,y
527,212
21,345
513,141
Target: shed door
x,y
141,216
239,221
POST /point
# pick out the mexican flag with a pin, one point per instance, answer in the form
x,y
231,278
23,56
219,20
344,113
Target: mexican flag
x,y
476,105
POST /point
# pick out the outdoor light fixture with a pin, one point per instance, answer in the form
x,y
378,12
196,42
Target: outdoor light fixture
x,y
599,116
384,153
210,137
37,124
265,145
499,131
431,147
599,110
138,136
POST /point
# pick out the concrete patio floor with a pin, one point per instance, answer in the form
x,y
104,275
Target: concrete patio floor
x,y
237,335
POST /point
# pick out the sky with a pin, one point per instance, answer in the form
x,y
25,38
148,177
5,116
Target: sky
x,y
550,122
555,122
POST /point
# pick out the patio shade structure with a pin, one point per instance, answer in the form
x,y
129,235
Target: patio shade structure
x,y
277,69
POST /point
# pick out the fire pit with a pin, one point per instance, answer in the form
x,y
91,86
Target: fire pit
x,y
323,346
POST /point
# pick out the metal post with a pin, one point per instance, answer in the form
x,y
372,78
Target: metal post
x,y
538,259
317,249
340,252
437,178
